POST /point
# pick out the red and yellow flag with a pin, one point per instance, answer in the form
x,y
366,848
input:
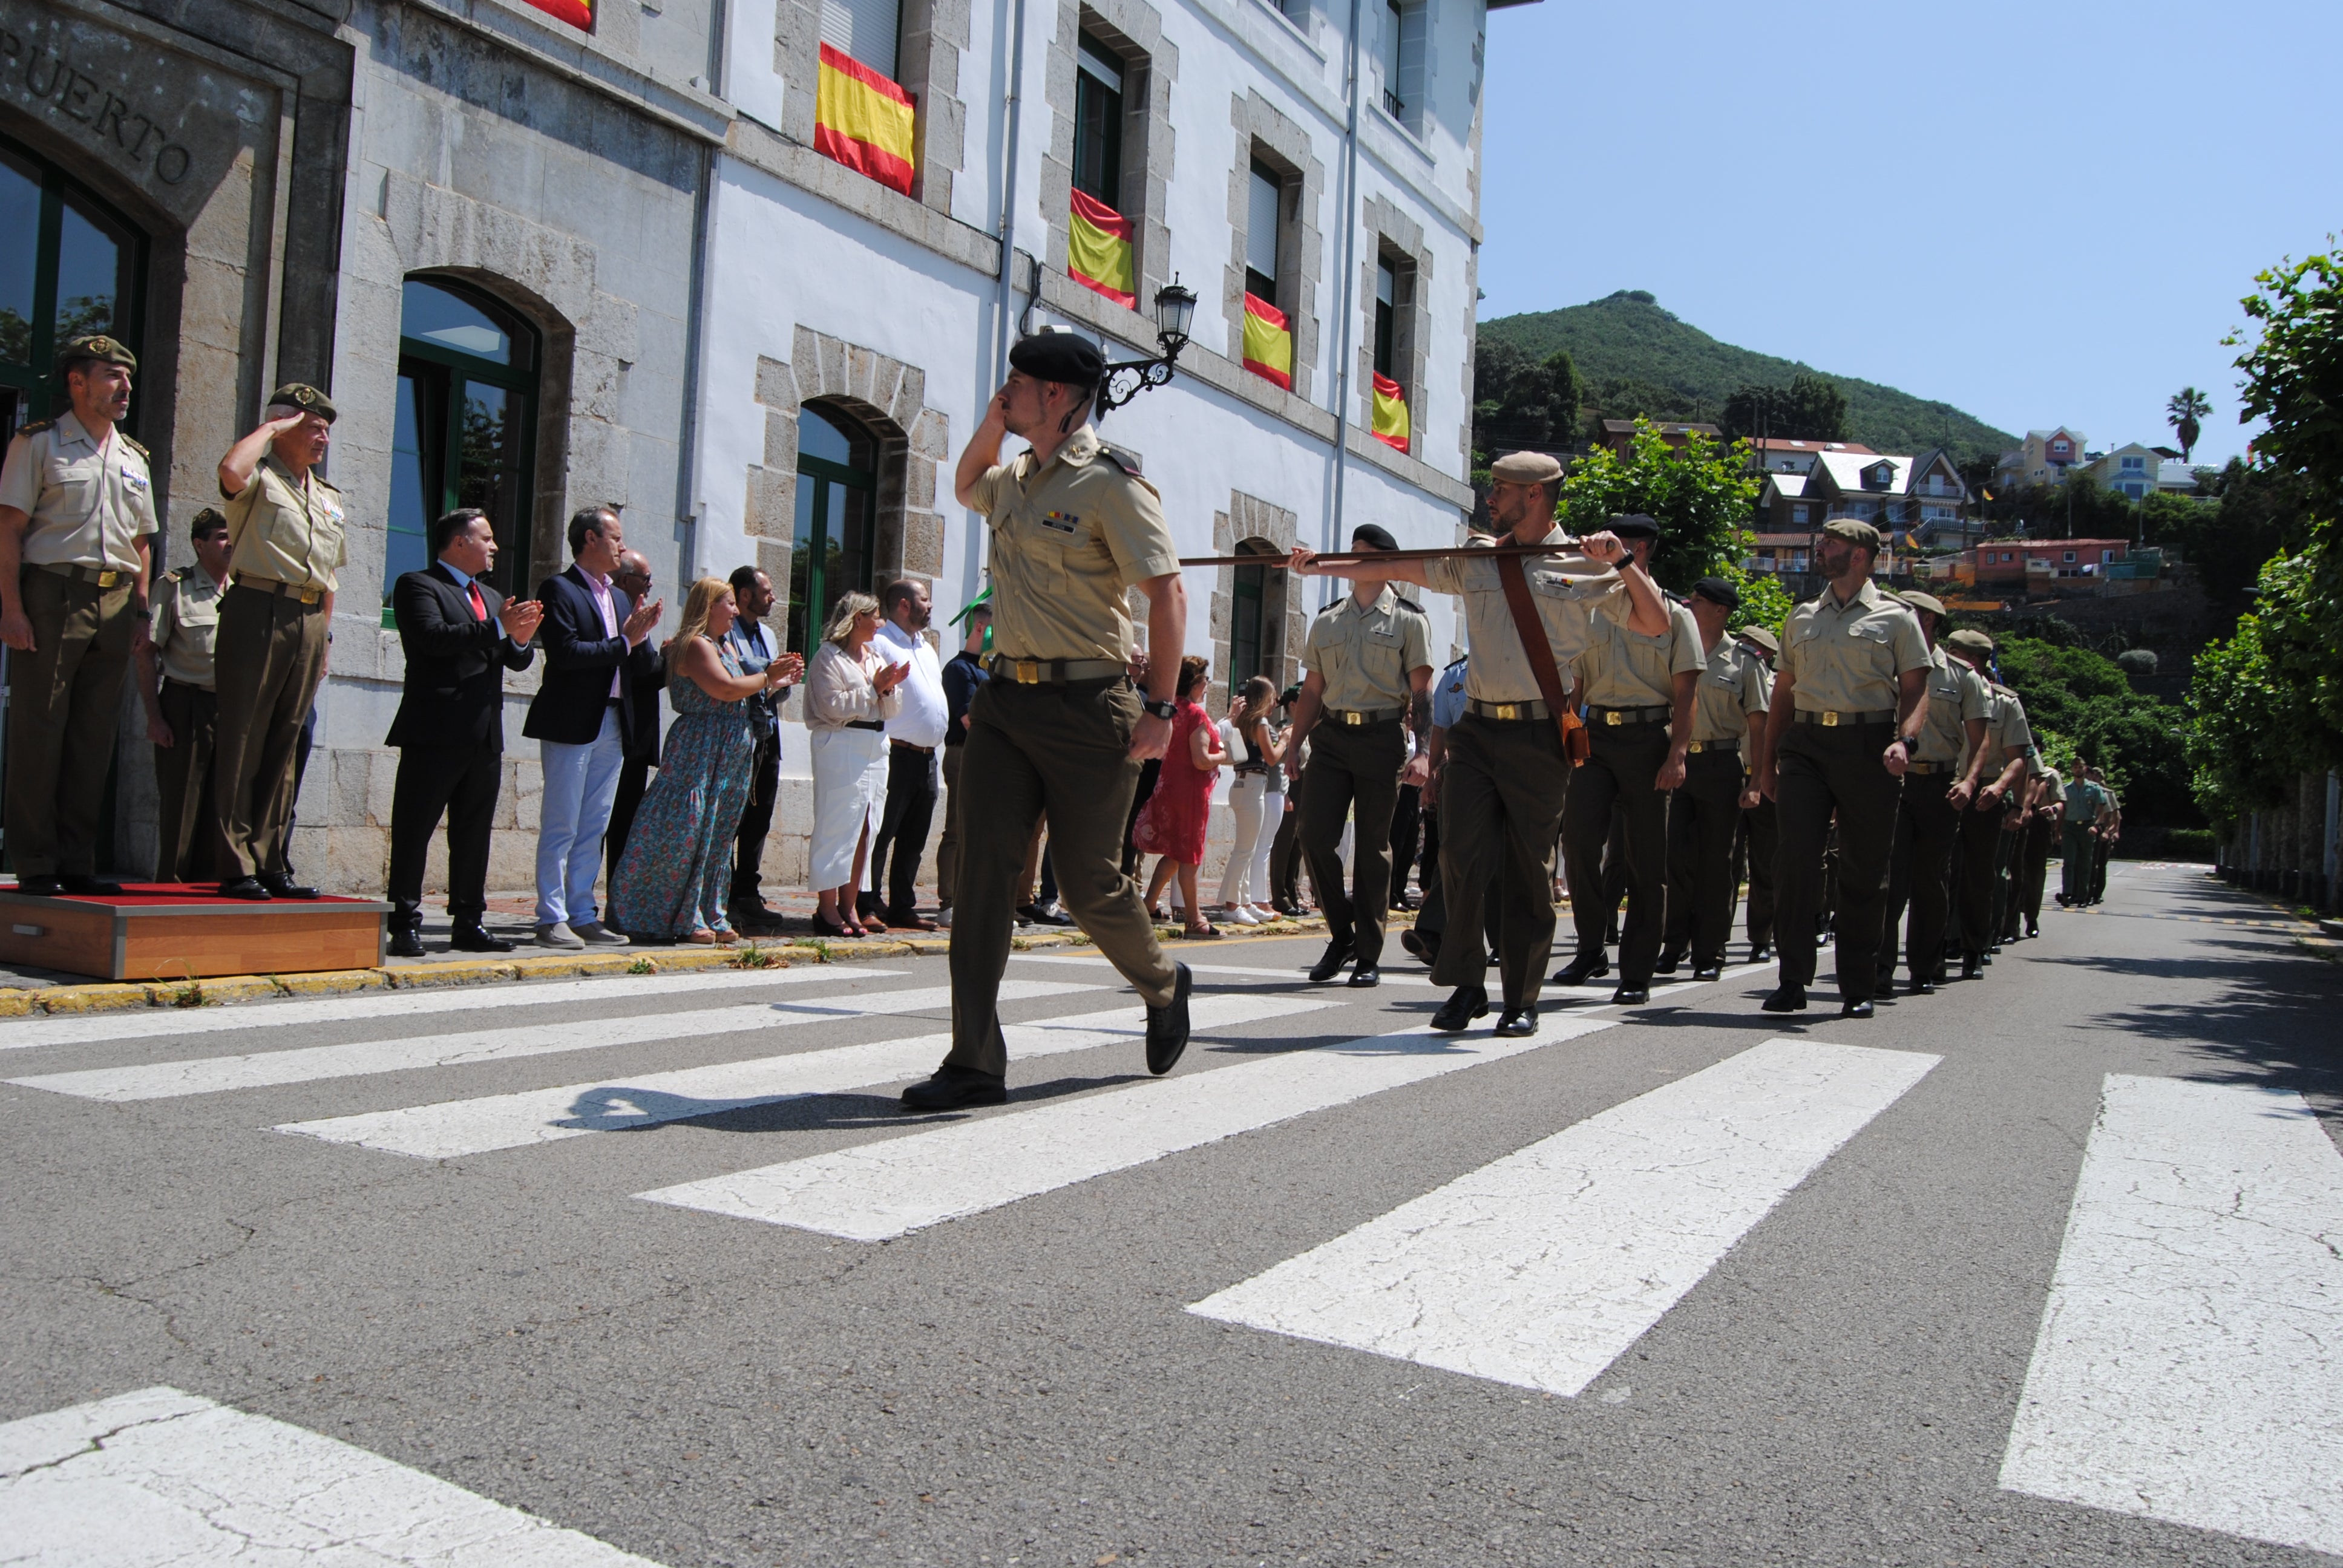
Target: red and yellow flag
x,y
577,13
1390,425
1098,249
863,120
1268,342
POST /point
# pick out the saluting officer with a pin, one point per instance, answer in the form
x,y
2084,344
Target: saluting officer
x,y
1756,839
1838,736
77,531
1366,687
1059,730
285,531
2001,764
1927,820
176,682
1728,718
1505,774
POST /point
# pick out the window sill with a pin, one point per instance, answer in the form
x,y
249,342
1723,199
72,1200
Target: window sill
x,y
1301,36
1378,115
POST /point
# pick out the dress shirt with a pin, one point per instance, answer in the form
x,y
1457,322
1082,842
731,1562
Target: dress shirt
x,y
751,647
600,588
841,689
464,580
920,720
89,501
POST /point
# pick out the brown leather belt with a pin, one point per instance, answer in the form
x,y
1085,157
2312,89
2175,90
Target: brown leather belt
x,y
103,577
1054,671
1617,715
1837,720
307,596
907,746
1508,712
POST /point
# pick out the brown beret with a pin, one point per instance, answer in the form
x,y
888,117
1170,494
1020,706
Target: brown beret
x,y
96,348
1919,600
304,397
1971,641
1854,531
205,521
1762,638
1526,468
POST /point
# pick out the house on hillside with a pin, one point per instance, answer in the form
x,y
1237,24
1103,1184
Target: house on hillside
x,y
2131,470
2042,568
2044,460
2176,477
1777,455
1923,499
1792,554
1619,434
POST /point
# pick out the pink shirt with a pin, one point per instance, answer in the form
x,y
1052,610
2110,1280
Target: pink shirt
x,y
600,588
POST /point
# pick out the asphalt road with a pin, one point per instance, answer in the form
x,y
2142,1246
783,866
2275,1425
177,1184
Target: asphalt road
x,y
2035,1271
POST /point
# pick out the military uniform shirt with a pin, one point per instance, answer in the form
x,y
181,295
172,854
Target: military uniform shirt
x,y
1067,540
1846,658
88,503
1731,686
186,620
1364,654
1956,695
1624,668
286,530
2006,733
2084,799
1569,591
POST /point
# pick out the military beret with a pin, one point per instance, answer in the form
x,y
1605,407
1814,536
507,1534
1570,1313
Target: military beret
x,y
1375,537
1059,356
1526,468
1971,641
204,521
95,347
1717,590
1762,638
1853,532
1919,600
1634,526
302,396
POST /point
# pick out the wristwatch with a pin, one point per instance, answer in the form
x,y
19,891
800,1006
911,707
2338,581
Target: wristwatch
x,y
1159,709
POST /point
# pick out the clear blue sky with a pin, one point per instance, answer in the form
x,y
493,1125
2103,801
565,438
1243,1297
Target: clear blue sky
x,y
2043,213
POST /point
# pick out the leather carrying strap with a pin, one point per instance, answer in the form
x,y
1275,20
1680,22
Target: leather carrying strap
x,y
1531,631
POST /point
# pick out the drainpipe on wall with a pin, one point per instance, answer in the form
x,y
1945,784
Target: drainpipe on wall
x,y
1332,540
1008,194
695,379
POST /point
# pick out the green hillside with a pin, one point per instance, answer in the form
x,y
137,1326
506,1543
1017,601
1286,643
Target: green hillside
x,y
1628,338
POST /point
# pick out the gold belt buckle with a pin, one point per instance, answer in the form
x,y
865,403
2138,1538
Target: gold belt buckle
x,y
1611,716
1829,719
1353,718
108,578
1509,710
1027,672
1697,746
311,594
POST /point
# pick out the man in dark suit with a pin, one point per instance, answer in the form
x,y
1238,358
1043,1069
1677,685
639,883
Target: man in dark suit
x,y
583,722
460,636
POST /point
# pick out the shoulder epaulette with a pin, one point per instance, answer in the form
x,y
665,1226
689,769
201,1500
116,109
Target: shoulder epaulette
x,y
36,426
328,484
1335,603
135,445
1129,462
1407,603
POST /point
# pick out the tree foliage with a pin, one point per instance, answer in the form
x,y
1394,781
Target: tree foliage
x,y
2185,414
1521,402
1810,408
2294,373
1701,492
2083,703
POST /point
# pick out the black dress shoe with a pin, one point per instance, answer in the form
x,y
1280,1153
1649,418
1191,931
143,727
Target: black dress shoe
x,y
1631,996
1788,999
1855,1007
1329,963
1760,952
1920,987
1414,945
1669,961
404,944
244,888
1466,1003
475,940
281,886
1708,972
2032,932
1972,965
84,886
42,886
1366,975
1883,981
1167,1026
1518,1022
1582,968
955,1089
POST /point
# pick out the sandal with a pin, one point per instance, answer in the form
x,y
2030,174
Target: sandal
x,y
822,927
1203,932
702,936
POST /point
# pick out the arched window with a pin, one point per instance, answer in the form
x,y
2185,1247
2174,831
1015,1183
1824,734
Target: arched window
x,y
831,546
466,429
68,265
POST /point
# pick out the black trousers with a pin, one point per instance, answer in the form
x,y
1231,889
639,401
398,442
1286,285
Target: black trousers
x,y
1501,796
1701,884
1149,771
1285,856
2040,834
1353,773
1920,875
459,782
1617,777
633,777
903,824
756,822
1756,842
1820,772
1407,823
183,776
1978,866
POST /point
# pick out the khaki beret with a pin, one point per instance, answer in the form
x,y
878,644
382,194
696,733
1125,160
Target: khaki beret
x,y
1059,356
1919,600
1853,532
302,396
1526,468
1971,641
96,347
1762,638
204,521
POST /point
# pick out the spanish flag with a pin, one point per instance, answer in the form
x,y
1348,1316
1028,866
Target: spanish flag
x,y
577,13
1098,249
863,120
1268,342
1391,413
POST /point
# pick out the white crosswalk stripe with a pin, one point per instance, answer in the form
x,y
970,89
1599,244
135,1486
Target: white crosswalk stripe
x,y
1574,997
2189,1367
577,1109
159,1476
1541,1269
214,1075
875,1191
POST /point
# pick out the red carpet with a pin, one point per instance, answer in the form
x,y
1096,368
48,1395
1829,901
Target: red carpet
x,y
140,895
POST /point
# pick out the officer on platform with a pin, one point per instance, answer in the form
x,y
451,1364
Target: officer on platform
x,y
1727,721
285,531
1059,730
77,532
1366,687
177,683
1936,790
1757,839
1842,721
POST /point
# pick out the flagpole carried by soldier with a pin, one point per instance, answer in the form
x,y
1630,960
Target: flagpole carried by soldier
x,y
1728,717
1059,730
1507,768
1937,789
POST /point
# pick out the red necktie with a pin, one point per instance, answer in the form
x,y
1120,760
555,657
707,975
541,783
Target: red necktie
x,y
479,609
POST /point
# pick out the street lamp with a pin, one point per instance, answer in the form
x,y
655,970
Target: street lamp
x,y
1175,312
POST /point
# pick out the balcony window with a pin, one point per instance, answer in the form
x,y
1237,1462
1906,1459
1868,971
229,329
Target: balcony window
x,y
1264,220
1098,123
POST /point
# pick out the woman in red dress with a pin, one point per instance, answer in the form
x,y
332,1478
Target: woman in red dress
x,y
1171,824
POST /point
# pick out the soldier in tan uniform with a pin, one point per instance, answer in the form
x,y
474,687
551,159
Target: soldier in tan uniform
x,y
1504,774
1366,687
1757,841
285,530
1936,790
176,682
1728,718
1839,731
1999,763
1059,730
77,531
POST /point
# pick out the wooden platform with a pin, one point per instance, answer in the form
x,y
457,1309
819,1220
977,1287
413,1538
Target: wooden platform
x,y
166,931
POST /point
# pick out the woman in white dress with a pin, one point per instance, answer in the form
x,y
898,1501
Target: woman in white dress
x,y
1256,752
850,695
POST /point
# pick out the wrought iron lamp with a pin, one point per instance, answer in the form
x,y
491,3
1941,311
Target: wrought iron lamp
x,y
1175,312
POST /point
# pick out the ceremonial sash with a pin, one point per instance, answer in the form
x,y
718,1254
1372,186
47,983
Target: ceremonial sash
x,y
863,120
1098,249
1268,342
1390,425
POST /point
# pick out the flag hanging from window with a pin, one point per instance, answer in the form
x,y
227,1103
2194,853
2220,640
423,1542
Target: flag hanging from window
x,y
577,13
1390,425
1268,342
1098,249
863,120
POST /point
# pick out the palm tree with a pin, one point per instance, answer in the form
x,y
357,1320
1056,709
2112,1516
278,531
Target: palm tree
x,y
2185,414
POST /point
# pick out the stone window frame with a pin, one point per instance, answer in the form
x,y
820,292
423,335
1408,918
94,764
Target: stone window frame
x,y
1267,136
1401,238
931,37
1252,519
1132,31
889,399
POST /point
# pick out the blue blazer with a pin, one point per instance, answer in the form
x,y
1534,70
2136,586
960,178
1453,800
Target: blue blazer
x,y
579,660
